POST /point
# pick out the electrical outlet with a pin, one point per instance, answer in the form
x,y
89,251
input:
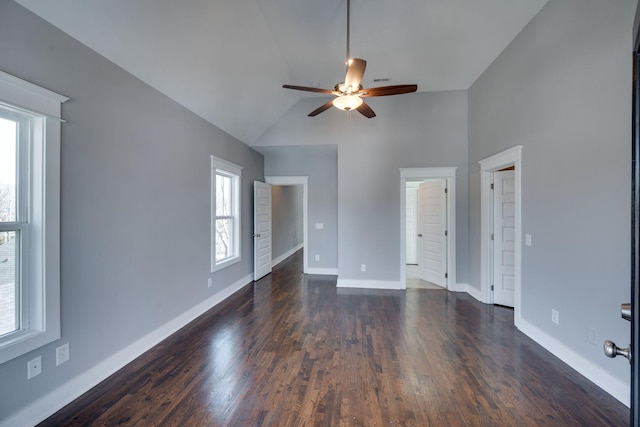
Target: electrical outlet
x,y
555,316
317,257
34,367
210,282
592,336
363,267
62,354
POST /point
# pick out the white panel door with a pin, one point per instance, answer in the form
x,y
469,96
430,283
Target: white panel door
x,y
504,238
261,229
432,227
412,226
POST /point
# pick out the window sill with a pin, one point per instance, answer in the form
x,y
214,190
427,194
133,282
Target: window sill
x,y
24,342
224,264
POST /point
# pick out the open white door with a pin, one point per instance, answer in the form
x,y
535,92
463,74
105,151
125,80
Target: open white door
x,y
504,238
412,224
432,231
261,229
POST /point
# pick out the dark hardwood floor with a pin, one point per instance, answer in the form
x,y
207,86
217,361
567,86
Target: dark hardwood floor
x,y
292,350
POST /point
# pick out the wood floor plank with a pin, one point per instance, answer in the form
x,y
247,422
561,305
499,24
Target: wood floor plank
x,y
294,350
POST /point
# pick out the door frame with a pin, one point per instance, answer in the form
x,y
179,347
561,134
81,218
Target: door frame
x,y
411,174
504,159
635,229
304,181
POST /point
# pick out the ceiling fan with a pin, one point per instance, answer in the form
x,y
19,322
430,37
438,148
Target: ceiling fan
x,y
349,93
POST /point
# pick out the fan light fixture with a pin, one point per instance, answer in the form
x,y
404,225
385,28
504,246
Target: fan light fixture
x,y
349,94
347,102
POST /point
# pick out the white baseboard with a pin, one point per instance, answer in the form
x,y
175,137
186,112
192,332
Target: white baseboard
x,y
49,404
324,271
286,255
39,410
369,284
616,388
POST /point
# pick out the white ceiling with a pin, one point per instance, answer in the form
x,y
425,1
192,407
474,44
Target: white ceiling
x,y
226,60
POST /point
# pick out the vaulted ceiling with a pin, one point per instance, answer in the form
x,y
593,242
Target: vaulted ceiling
x,y
226,60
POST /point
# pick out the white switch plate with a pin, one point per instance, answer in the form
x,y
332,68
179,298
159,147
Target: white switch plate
x,y
317,257
62,354
363,267
319,226
210,282
527,239
34,367
555,316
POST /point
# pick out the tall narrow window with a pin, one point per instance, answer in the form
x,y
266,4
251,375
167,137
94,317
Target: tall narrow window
x,y
12,218
225,200
224,217
29,216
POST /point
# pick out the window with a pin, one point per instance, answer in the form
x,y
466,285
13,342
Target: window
x,y
225,213
29,217
14,141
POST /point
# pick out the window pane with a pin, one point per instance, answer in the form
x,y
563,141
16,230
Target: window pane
x,y
8,161
8,294
224,238
223,195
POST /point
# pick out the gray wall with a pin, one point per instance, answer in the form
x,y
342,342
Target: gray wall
x,y
415,130
320,164
286,220
135,202
135,183
562,89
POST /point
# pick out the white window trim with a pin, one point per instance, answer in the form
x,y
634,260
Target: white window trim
x,y
218,164
44,108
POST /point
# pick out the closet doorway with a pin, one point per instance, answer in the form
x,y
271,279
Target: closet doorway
x,y
427,234
427,217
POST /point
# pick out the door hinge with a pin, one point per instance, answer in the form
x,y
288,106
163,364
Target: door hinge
x,y
492,237
446,190
446,232
491,287
492,185
446,275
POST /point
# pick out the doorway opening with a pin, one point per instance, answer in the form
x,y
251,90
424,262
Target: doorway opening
x,y
297,181
426,234
427,261
500,256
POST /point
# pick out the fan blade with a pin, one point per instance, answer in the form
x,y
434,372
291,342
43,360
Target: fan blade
x,y
355,72
320,109
388,90
366,111
308,89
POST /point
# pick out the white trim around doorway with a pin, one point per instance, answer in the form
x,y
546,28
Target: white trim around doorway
x,y
510,157
304,181
448,173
